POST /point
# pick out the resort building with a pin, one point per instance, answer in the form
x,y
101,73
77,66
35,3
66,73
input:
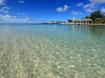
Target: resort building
x,y
57,22
100,20
82,21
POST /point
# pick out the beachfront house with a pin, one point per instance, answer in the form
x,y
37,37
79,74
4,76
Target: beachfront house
x,y
82,21
100,20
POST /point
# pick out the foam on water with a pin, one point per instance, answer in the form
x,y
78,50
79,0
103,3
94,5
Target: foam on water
x,y
52,51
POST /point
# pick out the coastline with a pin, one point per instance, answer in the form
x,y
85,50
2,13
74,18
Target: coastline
x,y
92,24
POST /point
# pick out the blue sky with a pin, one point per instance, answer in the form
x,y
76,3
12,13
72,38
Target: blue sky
x,y
47,10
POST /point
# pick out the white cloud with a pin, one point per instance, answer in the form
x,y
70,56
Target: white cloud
x,y
103,10
21,1
80,4
62,9
21,14
90,7
97,1
76,13
2,2
22,20
26,19
13,19
4,10
73,18
7,18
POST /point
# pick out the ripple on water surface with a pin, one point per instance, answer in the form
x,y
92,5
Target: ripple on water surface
x,y
51,52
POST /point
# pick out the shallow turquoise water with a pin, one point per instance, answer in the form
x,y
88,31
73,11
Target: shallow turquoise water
x,y
52,51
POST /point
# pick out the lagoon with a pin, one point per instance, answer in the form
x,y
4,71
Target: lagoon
x,y
52,51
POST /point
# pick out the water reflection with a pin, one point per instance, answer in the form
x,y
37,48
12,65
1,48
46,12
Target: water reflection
x,y
93,31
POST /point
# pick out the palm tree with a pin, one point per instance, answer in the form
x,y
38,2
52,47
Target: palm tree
x,y
95,15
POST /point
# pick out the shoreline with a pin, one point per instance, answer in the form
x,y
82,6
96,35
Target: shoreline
x,y
82,24
92,24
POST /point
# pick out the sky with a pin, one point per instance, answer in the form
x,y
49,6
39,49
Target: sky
x,y
32,11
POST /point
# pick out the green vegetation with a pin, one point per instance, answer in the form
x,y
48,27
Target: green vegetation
x,y
97,17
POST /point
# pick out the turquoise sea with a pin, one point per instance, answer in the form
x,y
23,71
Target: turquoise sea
x,y
52,51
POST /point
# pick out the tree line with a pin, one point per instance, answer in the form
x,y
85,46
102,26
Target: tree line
x,y
97,17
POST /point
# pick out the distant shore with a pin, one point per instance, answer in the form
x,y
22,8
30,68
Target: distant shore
x,y
83,24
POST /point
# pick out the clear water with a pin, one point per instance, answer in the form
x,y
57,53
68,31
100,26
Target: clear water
x,y
52,51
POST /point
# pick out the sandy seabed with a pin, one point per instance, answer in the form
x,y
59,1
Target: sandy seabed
x,y
25,54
